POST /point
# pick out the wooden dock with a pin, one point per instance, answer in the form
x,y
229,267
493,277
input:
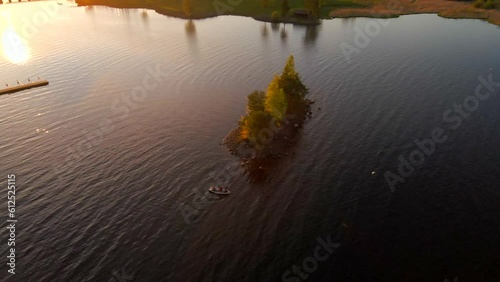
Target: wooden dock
x,y
24,86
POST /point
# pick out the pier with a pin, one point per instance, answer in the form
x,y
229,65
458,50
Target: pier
x,y
21,87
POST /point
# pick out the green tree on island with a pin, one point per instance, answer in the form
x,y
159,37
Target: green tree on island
x,y
291,84
275,103
253,123
285,95
256,101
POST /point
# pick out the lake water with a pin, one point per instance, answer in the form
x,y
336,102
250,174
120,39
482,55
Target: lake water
x,y
105,164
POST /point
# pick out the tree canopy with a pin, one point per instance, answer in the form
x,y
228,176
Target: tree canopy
x,y
312,6
253,123
256,101
285,95
275,102
290,81
285,7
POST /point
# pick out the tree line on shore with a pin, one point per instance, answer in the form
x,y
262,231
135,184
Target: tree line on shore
x,y
283,8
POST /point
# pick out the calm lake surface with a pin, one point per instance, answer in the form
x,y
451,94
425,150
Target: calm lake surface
x,y
112,202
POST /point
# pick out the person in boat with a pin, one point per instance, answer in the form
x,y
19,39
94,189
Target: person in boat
x,y
219,189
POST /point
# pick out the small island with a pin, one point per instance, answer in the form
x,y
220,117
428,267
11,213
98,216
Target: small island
x,y
273,119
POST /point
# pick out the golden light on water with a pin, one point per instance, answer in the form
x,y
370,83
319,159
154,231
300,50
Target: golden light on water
x,y
15,48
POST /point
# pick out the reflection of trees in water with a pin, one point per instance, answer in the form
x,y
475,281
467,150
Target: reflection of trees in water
x,y
264,30
275,26
190,28
145,18
191,36
312,32
124,12
259,170
283,33
348,21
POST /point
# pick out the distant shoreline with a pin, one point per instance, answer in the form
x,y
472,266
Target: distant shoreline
x,y
443,8
256,12
350,9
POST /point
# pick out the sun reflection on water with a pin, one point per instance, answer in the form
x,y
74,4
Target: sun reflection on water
x,y
15,48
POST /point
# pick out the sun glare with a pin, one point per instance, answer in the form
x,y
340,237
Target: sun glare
x,y
14,47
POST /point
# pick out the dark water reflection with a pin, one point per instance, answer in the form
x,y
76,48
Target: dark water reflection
x,y
265,30
119,205
312,33
190,28
275,26
283,33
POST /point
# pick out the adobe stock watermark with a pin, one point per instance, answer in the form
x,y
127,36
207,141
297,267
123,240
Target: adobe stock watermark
x,y
14,39
372,29
455,117
122,276
224,6
120,110
310,264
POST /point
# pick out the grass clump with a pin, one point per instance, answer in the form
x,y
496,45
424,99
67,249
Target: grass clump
x,y
484,4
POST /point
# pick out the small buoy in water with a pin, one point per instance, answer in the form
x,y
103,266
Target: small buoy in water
x,y
373,172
